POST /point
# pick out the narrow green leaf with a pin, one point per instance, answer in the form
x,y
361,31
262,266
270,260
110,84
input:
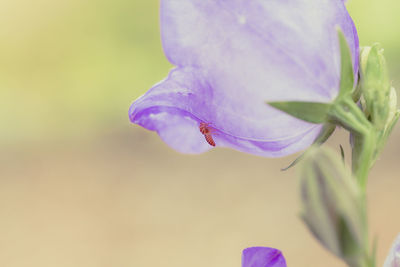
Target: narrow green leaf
x,y
347,72
294,162
342,153
325,133
313,112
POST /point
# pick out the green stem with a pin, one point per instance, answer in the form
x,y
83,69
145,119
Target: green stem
x,y
363,157
346,113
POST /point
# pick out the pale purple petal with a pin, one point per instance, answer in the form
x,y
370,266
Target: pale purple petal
x,y
262,257
175,107
393,259
234,55
283,50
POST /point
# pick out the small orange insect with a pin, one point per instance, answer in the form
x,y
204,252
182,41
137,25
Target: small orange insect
x,y
207,131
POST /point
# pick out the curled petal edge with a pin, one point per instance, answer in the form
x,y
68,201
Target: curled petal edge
x,y
170,113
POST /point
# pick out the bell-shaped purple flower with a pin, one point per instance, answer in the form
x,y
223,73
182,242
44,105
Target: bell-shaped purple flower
x,y
262,257
233,56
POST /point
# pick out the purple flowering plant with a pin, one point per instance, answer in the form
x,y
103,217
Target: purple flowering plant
x,y
271,78
233,56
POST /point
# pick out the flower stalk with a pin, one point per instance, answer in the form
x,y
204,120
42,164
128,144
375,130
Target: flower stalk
x,y
347,114
334,201
369,124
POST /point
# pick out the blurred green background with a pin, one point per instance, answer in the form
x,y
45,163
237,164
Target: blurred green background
x,y
81,186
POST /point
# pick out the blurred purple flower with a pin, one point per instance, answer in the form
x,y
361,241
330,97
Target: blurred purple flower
x,y
262,257
234,55
393,259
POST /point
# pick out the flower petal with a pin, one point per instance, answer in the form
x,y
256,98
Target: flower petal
x,y
262,257
232,57
284,50
176,107
167,109
393,259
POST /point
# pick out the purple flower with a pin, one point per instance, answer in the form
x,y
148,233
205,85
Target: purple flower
x,y
262,257
231,57
393,259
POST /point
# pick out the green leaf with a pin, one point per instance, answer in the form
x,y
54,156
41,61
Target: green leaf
x,y
347,72
313,112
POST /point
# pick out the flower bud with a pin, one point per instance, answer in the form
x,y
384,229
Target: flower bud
x,y
393,116
375,85
392,107
333,206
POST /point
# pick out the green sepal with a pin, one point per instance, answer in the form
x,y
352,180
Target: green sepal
x,y
346,72
384,135
391,124
325,133
313,112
